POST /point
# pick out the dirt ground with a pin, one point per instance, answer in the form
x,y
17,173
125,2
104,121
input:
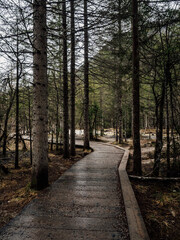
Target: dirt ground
x,y
15,191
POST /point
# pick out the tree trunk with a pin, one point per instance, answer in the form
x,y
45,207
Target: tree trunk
x,y
57,112
172,121
120,79
73,151
125,126
86,79
117,136
57,123
4,135
101,109
159,133
4,140
17,102
136,121
65,84
40,121
52,142
168,80
30,126
95,124
168,138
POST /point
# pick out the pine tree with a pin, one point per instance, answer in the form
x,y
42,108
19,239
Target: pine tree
x,y
136,117
86,79
40,121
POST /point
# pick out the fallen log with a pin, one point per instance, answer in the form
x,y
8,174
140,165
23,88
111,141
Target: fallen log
x,y
143,178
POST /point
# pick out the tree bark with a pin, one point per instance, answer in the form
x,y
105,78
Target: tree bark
x,y
172,121
73,151
168,138
40,106
65,84
57,120
159,132
136,121
52,140
30,125
57,112
101,109
120,79
168,80
5,134
86,79
117,136
17,101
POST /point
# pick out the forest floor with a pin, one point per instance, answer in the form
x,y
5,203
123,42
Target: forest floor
x,y
15,191
159,201
160,206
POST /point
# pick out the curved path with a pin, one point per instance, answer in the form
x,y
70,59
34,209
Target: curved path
x,y
85,203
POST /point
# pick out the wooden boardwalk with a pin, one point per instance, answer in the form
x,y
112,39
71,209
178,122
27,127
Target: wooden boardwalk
x,y
85,203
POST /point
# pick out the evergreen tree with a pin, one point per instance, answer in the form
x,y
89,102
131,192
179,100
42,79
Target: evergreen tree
x,y
40,121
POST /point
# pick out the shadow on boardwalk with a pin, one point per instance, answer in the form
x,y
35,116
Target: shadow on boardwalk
x,y
85,203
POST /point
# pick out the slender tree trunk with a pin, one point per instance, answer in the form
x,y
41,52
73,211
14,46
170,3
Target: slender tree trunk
x,y
168,138
101,109
40,120
17,102
95,124
159,132
30,127
57,122
57,112
168,79
125,126
120,122
58,95
86,79
73,151
172,121
120,79
52,142
136,118
4,135
5,140
65,83
117,131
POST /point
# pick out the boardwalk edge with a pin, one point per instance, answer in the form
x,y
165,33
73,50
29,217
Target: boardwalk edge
x,y
136,225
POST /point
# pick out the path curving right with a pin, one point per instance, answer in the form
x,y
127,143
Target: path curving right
x,y
85,203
